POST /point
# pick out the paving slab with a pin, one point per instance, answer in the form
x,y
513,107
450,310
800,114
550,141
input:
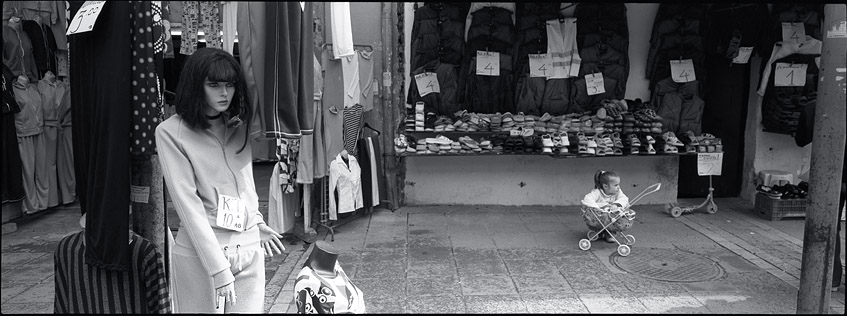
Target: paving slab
x,y
612,304
437,304
494,304
487,285
433,286
554,303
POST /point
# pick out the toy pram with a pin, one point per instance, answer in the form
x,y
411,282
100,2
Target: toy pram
x,y
613,221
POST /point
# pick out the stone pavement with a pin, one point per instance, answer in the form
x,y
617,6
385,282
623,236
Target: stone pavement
x,y
497,259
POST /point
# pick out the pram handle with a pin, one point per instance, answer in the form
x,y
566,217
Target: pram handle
x,y
647,191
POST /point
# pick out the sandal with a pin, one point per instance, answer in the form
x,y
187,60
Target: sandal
x,y
671,139
609,151
690,149
581,149
582,139
563,150
634,141
650,149
670,149
634,150
692,140
650,139
616,138
557,140
618,152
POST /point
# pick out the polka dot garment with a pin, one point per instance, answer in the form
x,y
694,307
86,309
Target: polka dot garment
x,y
146,96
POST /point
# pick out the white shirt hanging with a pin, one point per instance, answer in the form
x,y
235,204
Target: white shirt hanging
x,y
348,181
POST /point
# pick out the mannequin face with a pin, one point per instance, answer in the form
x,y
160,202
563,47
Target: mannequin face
x,y
218,96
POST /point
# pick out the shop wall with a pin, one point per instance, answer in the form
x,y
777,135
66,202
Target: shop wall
x,y
531,179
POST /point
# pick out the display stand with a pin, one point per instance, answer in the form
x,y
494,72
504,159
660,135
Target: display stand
x,y
331,225
707,164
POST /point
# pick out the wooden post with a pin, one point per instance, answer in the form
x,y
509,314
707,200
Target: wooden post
x,y
392,103
307,210
147,196
827,153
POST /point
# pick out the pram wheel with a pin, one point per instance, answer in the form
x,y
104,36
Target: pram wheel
x,y
592,235
584,244
676,211
623,250
630,239
712,208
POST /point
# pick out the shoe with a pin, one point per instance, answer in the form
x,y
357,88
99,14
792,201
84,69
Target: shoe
x,y
650,149
466,140
650,139
617,152
545,118
547,150
670,138
582,149
670,149
609,239
601,113
591,143
563,150
690,149
547,140
442,140
634,141
634,150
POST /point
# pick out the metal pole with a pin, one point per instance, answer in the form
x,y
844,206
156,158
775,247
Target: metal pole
x,y
824,178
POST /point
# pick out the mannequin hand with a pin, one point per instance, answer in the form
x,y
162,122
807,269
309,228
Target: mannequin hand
x,y
228,292
270,240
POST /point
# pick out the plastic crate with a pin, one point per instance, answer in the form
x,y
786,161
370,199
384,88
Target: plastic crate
x,y
777,209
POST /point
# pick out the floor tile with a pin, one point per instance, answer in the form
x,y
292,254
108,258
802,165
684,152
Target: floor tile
x,y
531,267
440,304
612,304
431,254
542,285
679,303
494,304
382,269
487,285
472,254
381,287
441,268
430,286
553,303
428,242
481,267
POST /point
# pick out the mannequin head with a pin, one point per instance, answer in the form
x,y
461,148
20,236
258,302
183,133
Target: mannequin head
x,y
323,258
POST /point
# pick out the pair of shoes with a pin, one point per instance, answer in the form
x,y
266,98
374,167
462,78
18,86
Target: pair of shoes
x,y
669,149
670,138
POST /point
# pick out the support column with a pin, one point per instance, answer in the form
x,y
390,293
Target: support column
x,y
393,103
825,177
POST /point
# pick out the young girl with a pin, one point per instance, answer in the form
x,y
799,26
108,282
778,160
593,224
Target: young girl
x,y
606,194
219,252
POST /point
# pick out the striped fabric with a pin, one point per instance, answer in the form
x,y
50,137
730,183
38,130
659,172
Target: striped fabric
x,y
353,122
83,288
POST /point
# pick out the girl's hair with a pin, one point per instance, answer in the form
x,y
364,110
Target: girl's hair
x,y
216,65
603,177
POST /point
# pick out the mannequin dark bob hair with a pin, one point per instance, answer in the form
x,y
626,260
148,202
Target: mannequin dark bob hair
x,y
217,66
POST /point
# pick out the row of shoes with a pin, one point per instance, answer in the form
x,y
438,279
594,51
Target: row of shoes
x,y
417,123
786,191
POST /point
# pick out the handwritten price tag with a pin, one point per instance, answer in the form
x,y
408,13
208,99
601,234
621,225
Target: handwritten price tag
x,y
594,83
793,32
682,71
487,63
86,16
230,213
790,75
540,65
427,83
709,164
743,55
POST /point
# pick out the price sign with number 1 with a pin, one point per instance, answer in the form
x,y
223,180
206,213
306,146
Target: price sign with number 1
x,y
540,65
487,63
427,83
682,71
86,16
790,75
594,83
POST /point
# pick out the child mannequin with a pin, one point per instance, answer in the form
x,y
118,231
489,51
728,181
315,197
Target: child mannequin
x,y
323,287
607,193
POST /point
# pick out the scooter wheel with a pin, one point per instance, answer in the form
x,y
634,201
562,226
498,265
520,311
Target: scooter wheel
x,y
712,208
623,250
584,244
676,211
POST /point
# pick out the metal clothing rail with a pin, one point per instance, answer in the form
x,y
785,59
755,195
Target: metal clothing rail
x,y
324,221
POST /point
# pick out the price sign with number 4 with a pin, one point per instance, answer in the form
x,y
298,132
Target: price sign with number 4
x,y
487,63
790,75
427,83
793,32
86,16
682,71
540,65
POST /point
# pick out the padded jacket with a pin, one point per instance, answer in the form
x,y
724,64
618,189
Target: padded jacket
x,y
43,46
749,22
197,167
489,94
30,120
17,53
438,33
679,105
50,100
782,106
447,101
600,17
611,62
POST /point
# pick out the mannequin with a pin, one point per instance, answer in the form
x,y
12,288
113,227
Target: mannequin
x,y
322,286
323,259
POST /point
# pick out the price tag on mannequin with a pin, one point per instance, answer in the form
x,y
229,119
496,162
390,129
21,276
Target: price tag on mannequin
x,y
427,83
790,75
594,84
682,71
230,213
793,32
86,16
540,65
487,63
743,55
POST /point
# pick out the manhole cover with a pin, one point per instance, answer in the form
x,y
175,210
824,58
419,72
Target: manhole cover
x,y
671,265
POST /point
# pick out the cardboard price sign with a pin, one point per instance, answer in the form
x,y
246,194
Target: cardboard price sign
x,y
795,32
790,75
487,63
709,164
86,16
743,55
594,83
540,65
427,83
682,71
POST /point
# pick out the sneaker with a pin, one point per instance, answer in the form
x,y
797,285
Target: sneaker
x,y
609,239
547,140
